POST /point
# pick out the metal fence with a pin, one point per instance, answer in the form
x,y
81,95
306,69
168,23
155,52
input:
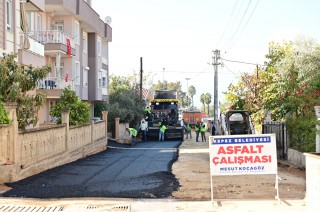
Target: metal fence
x,y
280,130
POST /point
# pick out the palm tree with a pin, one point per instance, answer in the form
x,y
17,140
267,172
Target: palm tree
x,y
207,100
192,92
202,100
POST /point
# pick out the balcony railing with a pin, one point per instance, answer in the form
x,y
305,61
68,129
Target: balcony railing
x,y
52,36
35,46
53,83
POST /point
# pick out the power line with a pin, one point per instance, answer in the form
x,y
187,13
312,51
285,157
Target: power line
x,y
244,25
230,70
234,34
225,29
235,61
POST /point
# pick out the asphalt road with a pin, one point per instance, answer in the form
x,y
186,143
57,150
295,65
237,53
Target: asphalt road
x,y
122,171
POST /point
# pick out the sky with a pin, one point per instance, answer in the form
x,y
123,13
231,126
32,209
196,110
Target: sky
x,y
176,38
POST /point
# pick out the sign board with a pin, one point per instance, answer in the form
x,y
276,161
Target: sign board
x,y
243,154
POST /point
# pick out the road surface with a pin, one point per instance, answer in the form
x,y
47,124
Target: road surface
x,y
122,171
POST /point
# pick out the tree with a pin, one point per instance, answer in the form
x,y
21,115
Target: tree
x,y
15,83
207,100
79,111
289,86
124,101
126,105
202,100
192,92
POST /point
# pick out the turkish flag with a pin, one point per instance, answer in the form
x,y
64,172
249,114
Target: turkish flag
x,y
67,76
68,47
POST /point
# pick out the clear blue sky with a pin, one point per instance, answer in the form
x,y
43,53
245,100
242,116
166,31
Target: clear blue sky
x,y
179,35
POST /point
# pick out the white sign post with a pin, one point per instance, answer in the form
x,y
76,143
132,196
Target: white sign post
x,y
243,155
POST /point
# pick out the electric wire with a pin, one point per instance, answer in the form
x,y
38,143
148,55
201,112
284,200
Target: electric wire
x,y
225,29
235,33
235,61
244,26
230,70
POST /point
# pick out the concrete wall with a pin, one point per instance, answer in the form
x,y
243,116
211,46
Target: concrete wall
x,y
297,158
124,136
25,153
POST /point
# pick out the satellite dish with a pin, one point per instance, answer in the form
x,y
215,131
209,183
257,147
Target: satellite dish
x,y
107,20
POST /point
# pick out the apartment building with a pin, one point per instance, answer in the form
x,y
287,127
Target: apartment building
x,y
12,38
69,35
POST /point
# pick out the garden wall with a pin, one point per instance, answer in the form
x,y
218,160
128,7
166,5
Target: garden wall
x,y
25,153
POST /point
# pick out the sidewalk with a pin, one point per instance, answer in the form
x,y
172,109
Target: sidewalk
x,y
100,204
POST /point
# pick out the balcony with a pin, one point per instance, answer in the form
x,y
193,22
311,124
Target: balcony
x,y
34,55
52,86
34,5
89,18
55,40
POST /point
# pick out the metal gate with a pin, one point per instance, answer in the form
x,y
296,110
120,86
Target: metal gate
x,y
280,130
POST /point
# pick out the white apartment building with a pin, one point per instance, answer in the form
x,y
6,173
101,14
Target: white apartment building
x,y
69,35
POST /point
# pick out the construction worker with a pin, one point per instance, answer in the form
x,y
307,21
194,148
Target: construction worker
x,y
143,130
188,130
203,131
213,129
162,131
197,129
133,133
148,112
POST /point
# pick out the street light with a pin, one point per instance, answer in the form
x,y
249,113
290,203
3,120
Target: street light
x,y
187,92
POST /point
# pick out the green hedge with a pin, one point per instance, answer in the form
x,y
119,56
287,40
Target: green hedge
x,y
302,133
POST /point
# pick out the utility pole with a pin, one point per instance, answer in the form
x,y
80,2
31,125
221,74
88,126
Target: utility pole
x,y
141,73
215,64
187,92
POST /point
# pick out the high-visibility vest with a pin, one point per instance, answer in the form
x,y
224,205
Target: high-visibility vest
x,y
197,128
163,128
133,132
188,127
203,128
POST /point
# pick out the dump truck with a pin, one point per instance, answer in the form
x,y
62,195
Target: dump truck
x,y
192,117
236,122
164,110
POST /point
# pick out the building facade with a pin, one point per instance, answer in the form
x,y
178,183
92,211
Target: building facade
x,y
67,34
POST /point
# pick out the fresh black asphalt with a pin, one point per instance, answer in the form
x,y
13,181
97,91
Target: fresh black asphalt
x,y
121,171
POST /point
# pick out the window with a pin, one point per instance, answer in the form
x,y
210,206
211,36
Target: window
x,y
85,76
38,22
30,20
100,79
77,74
60,70
77,32
9,14
58,25
85,42
104,79
99,46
